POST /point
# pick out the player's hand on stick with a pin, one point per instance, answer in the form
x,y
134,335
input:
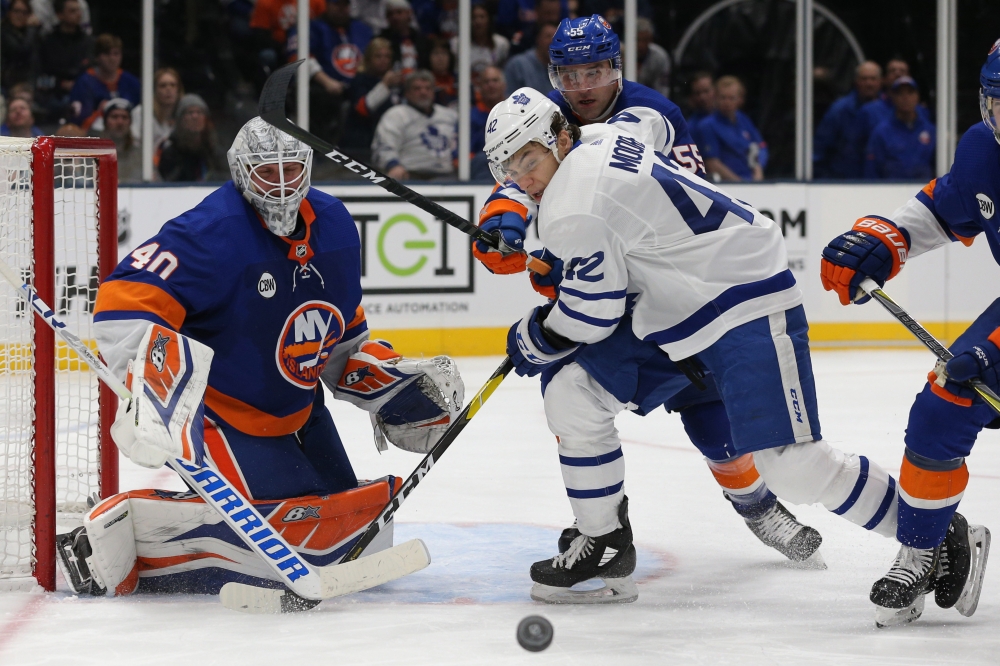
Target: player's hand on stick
x,y
979,362
165,417
412,401
510,258
875,248
532,348
547,285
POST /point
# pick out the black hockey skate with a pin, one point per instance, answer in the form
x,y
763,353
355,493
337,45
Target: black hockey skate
x,y
899,595
779,529
961,566
609,558
74,549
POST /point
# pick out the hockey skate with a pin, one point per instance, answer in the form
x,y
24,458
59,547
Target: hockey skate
x,y
609,558
779,529
73,550
961,566
899,595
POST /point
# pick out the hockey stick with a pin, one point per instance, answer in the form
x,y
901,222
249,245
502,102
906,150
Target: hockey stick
x,y
871,287
271,108
242,517
263,600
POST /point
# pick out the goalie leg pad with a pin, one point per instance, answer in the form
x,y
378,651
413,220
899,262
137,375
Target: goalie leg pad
x,y
114,563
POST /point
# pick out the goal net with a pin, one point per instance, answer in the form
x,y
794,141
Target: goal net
x,y
58,220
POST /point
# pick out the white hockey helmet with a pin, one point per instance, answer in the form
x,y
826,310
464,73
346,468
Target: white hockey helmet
x,y
526,115
258,143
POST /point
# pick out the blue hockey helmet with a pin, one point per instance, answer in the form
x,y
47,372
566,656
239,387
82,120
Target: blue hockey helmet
x,y
989,91
584,41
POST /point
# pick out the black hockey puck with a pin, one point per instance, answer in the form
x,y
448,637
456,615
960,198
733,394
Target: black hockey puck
x,y
534,633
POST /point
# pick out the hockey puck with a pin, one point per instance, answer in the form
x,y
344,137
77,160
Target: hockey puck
x,y
534,633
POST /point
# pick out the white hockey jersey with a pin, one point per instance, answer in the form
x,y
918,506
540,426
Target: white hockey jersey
x,y
635,231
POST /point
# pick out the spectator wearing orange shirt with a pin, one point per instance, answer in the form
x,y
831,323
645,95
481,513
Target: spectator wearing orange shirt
x,y
278,16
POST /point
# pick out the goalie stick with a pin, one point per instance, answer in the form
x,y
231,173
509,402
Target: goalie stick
x,y
871,287
251,599
271,108
310,584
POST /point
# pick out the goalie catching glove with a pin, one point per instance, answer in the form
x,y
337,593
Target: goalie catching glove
x,y
166,416
412,402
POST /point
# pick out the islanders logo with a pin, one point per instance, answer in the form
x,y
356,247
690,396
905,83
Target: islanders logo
x,y
308,336
345,59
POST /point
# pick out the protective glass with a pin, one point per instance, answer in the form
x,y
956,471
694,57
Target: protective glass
x,y
990,108
567,78
521,163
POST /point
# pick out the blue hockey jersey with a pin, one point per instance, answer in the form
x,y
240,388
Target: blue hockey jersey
x,y
272,309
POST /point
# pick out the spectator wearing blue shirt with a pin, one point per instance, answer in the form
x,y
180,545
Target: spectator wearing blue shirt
x,y
836,151
376,89
491,89
336,47
518,20
902,147
701,99
20,121
880,109
729,142
106,80
531,68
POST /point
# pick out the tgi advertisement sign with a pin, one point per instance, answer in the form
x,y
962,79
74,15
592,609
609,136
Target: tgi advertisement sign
x,y
405,250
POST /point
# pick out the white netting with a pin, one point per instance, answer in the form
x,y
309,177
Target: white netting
x,y
76,387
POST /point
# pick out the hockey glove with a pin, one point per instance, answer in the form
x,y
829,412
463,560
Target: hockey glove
x,y
411,402
532,348
979,362
875,248
166,416
547,285
513,230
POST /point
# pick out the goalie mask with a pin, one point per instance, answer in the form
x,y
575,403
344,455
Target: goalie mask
x,y
263,162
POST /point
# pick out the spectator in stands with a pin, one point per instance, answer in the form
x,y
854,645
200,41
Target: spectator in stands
x,y
545,11
491,89
118,128
22,91
191,153
18,45
417,140
836,151
701,98
874,112
71,130
902,147
104,81
652,59
375,89
436,17
269,24
409,47
531,68
167,91
20,121
336,47
371,12
47,12
442,66
64,54
730,143
514,18
488,47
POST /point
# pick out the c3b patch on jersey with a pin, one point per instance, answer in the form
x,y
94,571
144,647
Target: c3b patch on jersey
x,y
165,363
307,338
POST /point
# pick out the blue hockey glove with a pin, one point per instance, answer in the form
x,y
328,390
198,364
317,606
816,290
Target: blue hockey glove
x,y
875,248
513,229
547,285
533,349
981,362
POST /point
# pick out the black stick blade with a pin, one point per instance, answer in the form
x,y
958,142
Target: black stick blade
x,y
271,106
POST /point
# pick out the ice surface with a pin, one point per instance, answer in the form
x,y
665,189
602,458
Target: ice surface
x,y
709,592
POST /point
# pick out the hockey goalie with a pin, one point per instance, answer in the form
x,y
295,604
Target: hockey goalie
x,y
223,325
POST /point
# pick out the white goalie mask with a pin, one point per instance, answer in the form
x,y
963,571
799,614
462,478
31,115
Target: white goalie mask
x,y
526,115
276,199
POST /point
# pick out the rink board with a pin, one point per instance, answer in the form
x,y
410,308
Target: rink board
x,y
423,287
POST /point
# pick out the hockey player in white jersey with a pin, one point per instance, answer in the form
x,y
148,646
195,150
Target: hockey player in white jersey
x,y
703,276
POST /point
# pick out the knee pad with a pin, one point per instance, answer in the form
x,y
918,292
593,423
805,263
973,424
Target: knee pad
x,y
846,484
578,410
112,538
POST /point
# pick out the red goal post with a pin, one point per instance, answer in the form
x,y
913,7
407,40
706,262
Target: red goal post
x,y
58,227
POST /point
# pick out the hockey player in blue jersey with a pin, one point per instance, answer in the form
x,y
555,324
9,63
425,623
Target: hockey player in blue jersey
x,y
264,274
940,551
700,275
586,71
